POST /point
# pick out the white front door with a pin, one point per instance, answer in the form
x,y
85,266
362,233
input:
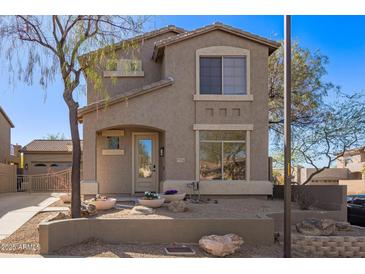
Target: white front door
x,y
145,172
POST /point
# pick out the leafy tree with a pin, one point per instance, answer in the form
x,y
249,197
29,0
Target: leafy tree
x,y
47,47
57,136
308,86
325,121
337,126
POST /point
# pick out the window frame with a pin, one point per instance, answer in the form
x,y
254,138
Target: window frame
x,y
122,70
108,143
223,51
203,127
222,57
222,143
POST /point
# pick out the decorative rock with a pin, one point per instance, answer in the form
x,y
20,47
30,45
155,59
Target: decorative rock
x,y
142,210
343,226
87,209
316,227
59,216
221,246
177,206
65,197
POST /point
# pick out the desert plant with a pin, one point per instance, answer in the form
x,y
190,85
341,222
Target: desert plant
x,y
303,198
151,195
170,192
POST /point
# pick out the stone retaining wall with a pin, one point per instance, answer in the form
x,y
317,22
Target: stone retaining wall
x,y
328,246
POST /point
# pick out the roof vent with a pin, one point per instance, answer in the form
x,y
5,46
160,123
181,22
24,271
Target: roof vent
x,y
218,23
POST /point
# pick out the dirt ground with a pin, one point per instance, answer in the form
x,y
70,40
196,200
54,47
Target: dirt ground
x,y
26,239
96,248
213,208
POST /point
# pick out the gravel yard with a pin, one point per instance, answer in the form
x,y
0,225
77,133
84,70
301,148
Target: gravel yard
x,y
26,239
214,208
96,248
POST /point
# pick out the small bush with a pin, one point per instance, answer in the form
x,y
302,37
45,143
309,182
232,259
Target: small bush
x,y
303,198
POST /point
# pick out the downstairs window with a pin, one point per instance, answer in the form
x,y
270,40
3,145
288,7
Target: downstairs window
x,y
222,155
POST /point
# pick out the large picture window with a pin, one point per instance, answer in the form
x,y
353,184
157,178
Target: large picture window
x,y
223,75
222,155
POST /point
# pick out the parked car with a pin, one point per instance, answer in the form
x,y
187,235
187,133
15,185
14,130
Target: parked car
x,y
356,209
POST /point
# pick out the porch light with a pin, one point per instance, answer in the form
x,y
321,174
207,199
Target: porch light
x,y
162,151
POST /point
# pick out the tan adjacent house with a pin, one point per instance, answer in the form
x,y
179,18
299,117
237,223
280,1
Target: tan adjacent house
x,y
183,107
9,154
47,156
354,161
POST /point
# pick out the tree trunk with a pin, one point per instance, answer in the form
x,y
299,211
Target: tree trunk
x,y
76,159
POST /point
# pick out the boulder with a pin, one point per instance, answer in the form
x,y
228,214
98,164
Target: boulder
x,y
177,206
317,227
142,210
87,209
343,226
58,216
221,246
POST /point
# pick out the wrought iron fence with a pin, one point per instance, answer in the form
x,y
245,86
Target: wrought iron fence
x,y
52,182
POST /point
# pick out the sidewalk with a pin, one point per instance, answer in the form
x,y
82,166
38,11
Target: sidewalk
x,y
17,208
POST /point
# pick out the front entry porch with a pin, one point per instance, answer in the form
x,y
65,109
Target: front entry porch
x,y
128,160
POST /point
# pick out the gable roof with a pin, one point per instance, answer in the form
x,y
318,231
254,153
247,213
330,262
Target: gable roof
x,y
49,146
125,95
144,36
2,111
160,45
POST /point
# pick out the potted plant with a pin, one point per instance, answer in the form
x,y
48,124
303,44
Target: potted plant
x,y
102,202
171,195
151,199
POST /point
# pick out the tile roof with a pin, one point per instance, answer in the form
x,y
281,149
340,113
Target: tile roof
x,y
2,111
273,45
49,146
144,36
125,95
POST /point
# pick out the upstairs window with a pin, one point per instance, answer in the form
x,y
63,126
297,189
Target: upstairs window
x,y
223,75
123,68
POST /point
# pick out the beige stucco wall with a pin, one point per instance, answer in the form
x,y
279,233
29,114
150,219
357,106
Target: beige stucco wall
x,y
353,186
180,64
152,71
327,174
4,139
57,234
7,178
173,111
47,158
114,172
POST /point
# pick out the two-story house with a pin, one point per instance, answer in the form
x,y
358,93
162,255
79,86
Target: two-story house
x,y
182,107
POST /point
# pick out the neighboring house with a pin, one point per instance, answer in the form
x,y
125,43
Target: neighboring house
x,y
47,156
354,161
329,176
348,167
182,107
9,154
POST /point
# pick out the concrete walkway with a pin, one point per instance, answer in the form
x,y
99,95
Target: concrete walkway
x,y
17,208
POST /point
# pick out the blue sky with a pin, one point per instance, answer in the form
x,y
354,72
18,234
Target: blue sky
x,y
37,113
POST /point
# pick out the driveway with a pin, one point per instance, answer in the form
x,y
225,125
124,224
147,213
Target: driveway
x,y
17,208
